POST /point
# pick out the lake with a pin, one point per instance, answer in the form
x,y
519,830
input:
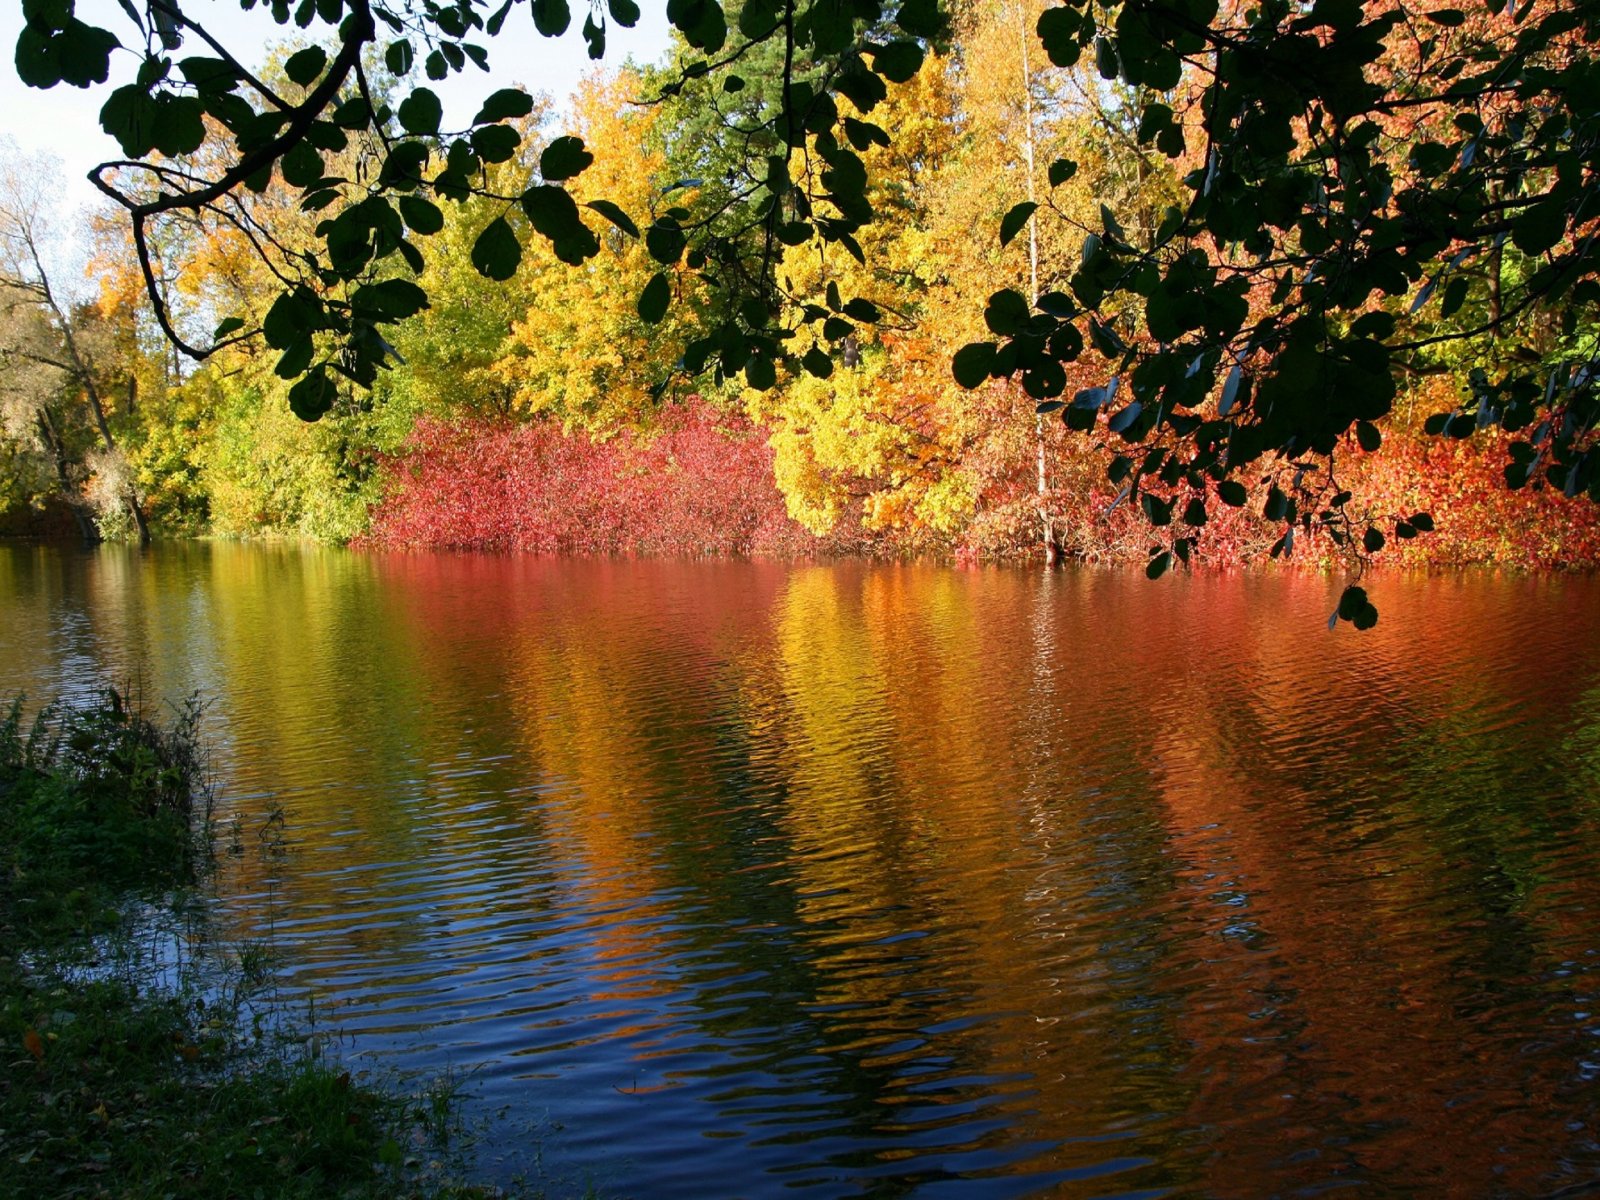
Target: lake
x,y
752,879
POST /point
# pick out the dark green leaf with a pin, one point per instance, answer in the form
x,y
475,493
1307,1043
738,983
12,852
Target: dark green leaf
x,y
304,66
289,318
1059,29
497,253
1368,436
1232,493
421,112
551,17
495,143
1158,565
1012,223
563,158
421,215
301,166
665,242
898,61
1007,312
760,372
295,359
972,363
505,104
654,299
313,395
615,215
398,58
390,300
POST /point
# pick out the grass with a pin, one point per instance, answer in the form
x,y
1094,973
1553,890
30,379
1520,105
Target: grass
x,y
122,1072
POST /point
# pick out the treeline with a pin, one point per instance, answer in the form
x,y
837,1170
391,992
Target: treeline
x,y
546,413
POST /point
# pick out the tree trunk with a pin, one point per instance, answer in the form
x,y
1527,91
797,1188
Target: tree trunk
x,y
58,455
1047,525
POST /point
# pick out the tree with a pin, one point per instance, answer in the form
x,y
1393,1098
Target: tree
x,y
1368,189
53,352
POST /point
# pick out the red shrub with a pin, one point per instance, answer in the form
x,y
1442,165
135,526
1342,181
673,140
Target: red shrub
x,y
701,484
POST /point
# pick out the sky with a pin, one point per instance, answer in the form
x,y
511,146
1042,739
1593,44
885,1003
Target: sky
x,y
64,121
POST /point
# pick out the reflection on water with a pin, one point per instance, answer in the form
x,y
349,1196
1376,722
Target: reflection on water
x,y
744,879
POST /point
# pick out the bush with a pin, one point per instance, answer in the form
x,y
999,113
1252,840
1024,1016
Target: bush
x,y
100,796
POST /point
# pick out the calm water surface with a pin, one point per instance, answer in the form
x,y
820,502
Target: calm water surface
x,y
771,881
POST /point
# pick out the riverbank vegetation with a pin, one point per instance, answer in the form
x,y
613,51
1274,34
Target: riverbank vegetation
x,y
533,404
139,1059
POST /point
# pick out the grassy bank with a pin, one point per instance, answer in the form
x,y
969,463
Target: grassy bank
x,y
132,1069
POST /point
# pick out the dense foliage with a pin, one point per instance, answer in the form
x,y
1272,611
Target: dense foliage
x,y
1168,280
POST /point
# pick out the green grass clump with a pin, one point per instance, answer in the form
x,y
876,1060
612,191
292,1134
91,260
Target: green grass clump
x,y
118,1076
96,804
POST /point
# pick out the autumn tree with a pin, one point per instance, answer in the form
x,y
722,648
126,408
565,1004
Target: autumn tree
x,y
59,357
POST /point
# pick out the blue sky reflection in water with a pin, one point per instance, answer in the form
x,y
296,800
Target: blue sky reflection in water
x,y
762,880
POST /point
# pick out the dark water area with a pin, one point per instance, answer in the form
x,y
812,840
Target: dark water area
x,y
744,879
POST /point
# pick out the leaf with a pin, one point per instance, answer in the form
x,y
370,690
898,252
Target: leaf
x,y
654,299
1006,313
551,17
1230,390
301,166
505,104
1122,420
553,212
1011,224
563,158
898,61
1373,540
615,215
398,58
817,362
1351,601
1062,170
225,327
34,1044
313,395
760,372
390,300
421,112
497,253
665,241
1158,565
289,318
304,66
1422,521
971,364
495,143
295,359
1058,28
1367,436
624,12
421,216
1232,493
